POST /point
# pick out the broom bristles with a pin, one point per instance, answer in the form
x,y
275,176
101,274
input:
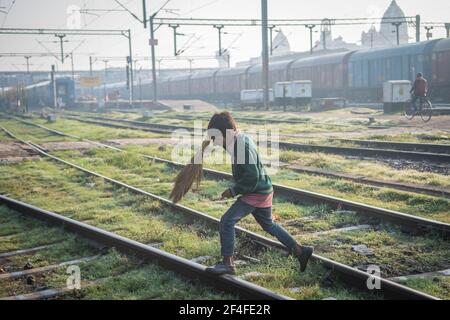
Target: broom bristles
x,y
193,172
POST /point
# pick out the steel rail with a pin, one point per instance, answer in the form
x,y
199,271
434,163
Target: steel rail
x,y
172,262
348,151
412,222
405,146
396,145
350,275
433,191
409,187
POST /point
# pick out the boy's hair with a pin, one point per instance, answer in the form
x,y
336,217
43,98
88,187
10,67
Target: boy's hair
x,y
222,121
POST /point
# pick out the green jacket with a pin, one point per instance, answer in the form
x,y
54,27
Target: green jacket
x,y
249,175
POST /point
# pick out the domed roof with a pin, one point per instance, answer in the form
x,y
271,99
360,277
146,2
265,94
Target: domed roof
x,y
281,44
394,14
393,11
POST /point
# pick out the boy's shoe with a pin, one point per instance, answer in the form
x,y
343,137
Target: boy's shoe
x,y
304,257
221,268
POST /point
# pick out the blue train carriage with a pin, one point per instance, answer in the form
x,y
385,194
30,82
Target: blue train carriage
x,y
440,88
369,69
41,94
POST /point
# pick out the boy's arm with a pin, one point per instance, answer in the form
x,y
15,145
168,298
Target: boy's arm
x,y
247,174
246,180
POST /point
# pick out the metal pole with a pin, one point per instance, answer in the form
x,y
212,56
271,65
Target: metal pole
x,y
28,63
265,53
140,89
104,80
447,27
311,27
174,27
61,37
131,69
91,74
418,21
219,28
271,39
144,13
152,44
53,78
73,69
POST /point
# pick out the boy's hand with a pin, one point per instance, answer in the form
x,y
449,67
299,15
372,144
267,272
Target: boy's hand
x,y
227,194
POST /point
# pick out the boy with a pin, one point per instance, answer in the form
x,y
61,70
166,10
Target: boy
x,y
255,189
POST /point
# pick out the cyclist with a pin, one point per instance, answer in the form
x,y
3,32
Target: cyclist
x,y
419,89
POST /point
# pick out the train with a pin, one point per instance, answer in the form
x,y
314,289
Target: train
x,y
354,75
39,95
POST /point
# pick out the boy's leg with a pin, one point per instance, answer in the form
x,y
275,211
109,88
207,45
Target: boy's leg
x,y
227,236
227,223
264,217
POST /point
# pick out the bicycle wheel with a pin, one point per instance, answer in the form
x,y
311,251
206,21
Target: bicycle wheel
x,y
410,111
426,111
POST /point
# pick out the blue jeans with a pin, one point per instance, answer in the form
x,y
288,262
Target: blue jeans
x,y
239,210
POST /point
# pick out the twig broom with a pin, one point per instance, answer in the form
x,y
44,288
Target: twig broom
x,y
193,172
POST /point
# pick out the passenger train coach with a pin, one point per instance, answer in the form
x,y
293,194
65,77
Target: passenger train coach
x,y
355,75
39,94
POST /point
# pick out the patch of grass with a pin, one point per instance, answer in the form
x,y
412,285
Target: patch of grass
x,y
201,200
438,286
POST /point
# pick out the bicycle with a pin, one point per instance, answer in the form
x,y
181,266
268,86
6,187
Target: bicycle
x,y
424,109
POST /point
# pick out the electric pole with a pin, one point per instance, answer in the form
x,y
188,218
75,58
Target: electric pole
x,y
174,27
418,21
271,39
265,54
153,43
310,27
53,79
90,66
104,80
130,61
144,13
61,37
219,27
28,63
397,30
73,69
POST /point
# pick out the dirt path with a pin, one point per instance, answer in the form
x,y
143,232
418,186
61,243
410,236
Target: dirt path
x,y
15,152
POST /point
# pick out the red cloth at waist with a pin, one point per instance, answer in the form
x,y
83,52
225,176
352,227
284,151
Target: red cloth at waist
x,y
258,200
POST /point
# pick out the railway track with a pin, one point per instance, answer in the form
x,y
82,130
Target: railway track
x,y
421,189
346,151
389,145
128,246
409,222
403,146
350,275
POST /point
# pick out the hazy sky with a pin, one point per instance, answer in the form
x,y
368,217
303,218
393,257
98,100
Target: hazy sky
x,y
55,14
